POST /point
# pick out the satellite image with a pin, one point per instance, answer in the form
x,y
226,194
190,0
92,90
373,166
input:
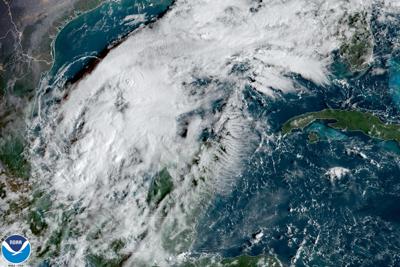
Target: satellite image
x,y
196,133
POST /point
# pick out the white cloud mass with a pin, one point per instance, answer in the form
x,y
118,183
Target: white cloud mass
x,y
147,105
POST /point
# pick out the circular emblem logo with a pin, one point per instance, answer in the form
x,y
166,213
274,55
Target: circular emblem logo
x,y
16,249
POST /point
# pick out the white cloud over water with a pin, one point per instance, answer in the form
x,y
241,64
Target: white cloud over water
x,y
147,105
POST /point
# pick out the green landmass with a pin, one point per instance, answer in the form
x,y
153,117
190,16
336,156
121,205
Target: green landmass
x,y
41,204
162,185
313,137
347,120
51,247
12,156
23,87
85,5
240,261
207,261
3,192
96,260
21,67
3,85
100,261
357,50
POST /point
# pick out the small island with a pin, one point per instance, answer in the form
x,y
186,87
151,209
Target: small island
x,y
347,120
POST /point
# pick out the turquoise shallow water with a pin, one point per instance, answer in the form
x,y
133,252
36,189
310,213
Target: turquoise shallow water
x,y
325,133
284,190
85,37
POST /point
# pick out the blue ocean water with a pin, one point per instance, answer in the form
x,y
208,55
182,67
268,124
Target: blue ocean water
x,y
394,80
85,37
284,191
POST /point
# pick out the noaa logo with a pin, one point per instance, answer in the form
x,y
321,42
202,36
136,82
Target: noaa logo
x,y
16,249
